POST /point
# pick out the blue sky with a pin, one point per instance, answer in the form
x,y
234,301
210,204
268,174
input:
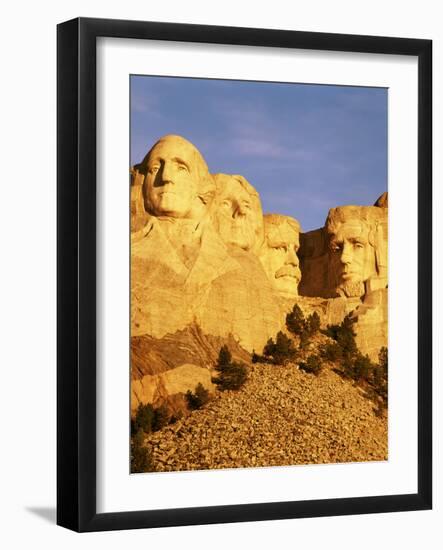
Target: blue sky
x,y
304,147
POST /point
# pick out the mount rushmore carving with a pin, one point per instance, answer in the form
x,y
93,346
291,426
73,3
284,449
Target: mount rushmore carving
x,y
203,253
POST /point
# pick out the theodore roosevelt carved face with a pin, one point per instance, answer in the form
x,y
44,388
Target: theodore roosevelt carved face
x,y
177,181
279,253
237,213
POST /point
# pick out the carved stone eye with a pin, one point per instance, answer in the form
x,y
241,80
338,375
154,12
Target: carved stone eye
x,y
154,169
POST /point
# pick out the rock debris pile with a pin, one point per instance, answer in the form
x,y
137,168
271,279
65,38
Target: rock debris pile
x,y
281,416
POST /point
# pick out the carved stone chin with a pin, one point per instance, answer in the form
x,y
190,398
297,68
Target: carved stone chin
x,y
351,289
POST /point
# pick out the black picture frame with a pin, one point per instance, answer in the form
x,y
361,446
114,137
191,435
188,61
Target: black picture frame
x,y
76,274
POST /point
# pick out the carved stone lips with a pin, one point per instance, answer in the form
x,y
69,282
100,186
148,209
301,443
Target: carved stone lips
x,y
288,272
348,275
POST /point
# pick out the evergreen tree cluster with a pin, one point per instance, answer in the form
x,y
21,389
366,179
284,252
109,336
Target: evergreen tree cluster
x,y
231,375
141,458
283,350
344,337
147,419
352,363
303,327
279,352
197,399
313,365
342,351
150,419
380,375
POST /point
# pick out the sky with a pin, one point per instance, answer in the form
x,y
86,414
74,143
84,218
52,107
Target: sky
x,y
304,147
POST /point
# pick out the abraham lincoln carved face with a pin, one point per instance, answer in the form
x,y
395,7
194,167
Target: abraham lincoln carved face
x,y
352,239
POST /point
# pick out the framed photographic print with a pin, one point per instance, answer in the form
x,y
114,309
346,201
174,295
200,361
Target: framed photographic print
x,y
244,274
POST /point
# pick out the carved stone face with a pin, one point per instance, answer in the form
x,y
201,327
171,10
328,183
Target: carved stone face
x,y
237,213
279,257
172,181
352,258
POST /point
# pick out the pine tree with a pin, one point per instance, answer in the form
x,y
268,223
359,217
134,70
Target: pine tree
x,y
199,398
269,349
161,418
344,335
295,321
383,360
232,375
331,352
312,365
141,459
380,375
313,323
144,418
281,351
362,367
284,348
224,358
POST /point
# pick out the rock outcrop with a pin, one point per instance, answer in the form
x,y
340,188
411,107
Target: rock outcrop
x,y
208,269
348,256
156,355
348,259
371,323
194,259
139,216
170,386
164,369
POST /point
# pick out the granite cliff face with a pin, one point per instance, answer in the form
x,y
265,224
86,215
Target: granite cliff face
x,y
208,268
164,369
347,262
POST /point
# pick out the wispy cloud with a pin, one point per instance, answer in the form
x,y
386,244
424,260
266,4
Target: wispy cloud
x,y
252,130
259,147
143,102
305,148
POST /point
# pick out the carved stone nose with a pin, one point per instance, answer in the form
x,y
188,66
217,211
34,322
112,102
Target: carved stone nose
x,y
238,211
292,257
166,172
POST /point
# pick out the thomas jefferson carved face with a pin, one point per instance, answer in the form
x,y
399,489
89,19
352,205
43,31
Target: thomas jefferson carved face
x,y
352,257
279,253
237,213
175,178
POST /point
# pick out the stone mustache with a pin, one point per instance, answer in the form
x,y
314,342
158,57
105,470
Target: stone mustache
x,y
203,252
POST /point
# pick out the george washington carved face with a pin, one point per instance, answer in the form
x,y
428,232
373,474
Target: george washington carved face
x,y
177,181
